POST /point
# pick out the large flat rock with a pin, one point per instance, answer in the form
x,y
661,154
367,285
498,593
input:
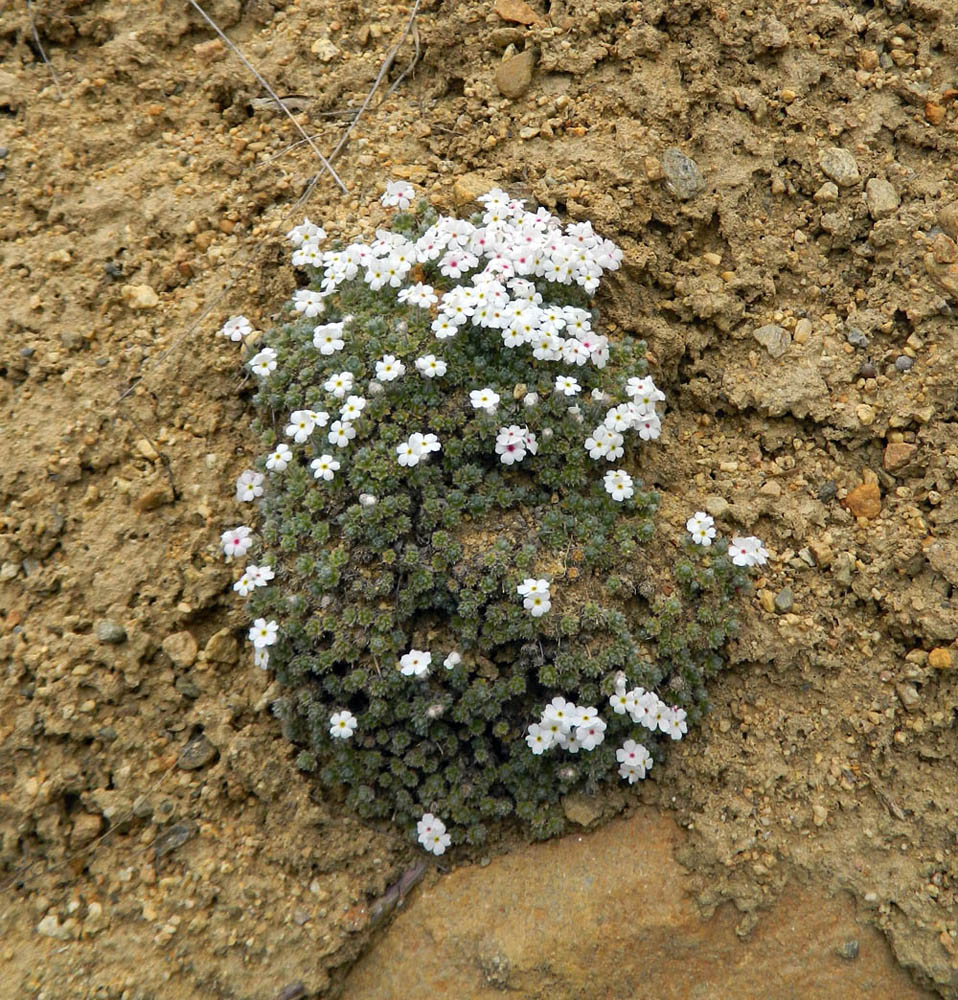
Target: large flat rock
x,y
608,914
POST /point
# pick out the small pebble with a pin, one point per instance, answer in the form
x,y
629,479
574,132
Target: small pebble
x,y
784,601
856,337
827,491
110,632
848,950
839,166
196,754
867,370
682,175
904,363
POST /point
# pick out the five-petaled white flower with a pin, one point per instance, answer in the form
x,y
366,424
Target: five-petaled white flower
x,y
342,724
701,527
431,366
537,604
341,432
302,423
484,399
237,541
352,409
339,384
415,663
308,302
634,761
539,738
236,328
324,467
532,586
261,658
452,660
567,385
618,484
327,338
264,362
279,458
747,551
398,194
389,368
263,633
249,486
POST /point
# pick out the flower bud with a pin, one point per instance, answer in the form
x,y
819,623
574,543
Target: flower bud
x,y
530,398
367,499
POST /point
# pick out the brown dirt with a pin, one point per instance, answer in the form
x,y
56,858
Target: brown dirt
x,y
831,751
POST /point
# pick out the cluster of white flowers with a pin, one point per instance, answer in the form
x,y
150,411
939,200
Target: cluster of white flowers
x,y
743,551
647,709
566,725
536,598
513,442
432,834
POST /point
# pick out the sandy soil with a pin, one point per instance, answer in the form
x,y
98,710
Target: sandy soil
x,y
144,199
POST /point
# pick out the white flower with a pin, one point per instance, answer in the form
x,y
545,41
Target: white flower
x,y
389,368
418,295
249,486
437,842
452,660
634,760
302,423
244,584
263,633
701,527
618,485
352,409
585,715
649,427
342,724
324,467
279,458
410,451
308,302
511,444
236,542
747,551
415,663
341,432
561,711
327,338
426,443
261,658
260,575
677,726
598,444
264,362
539,738
532,586
236,328
590,734
537,604
306,230
339,384
644,393
484,399
429,824
431,366
567,385
645,710
398,194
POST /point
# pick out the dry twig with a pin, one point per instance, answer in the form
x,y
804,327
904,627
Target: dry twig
x,y
43,55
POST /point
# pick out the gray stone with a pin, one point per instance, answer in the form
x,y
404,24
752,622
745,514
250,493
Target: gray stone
x,y
514,75
111,632
908,696
196,754
839,166
784,601
856,337
682,175
848,950
904,363
881,197
774,338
